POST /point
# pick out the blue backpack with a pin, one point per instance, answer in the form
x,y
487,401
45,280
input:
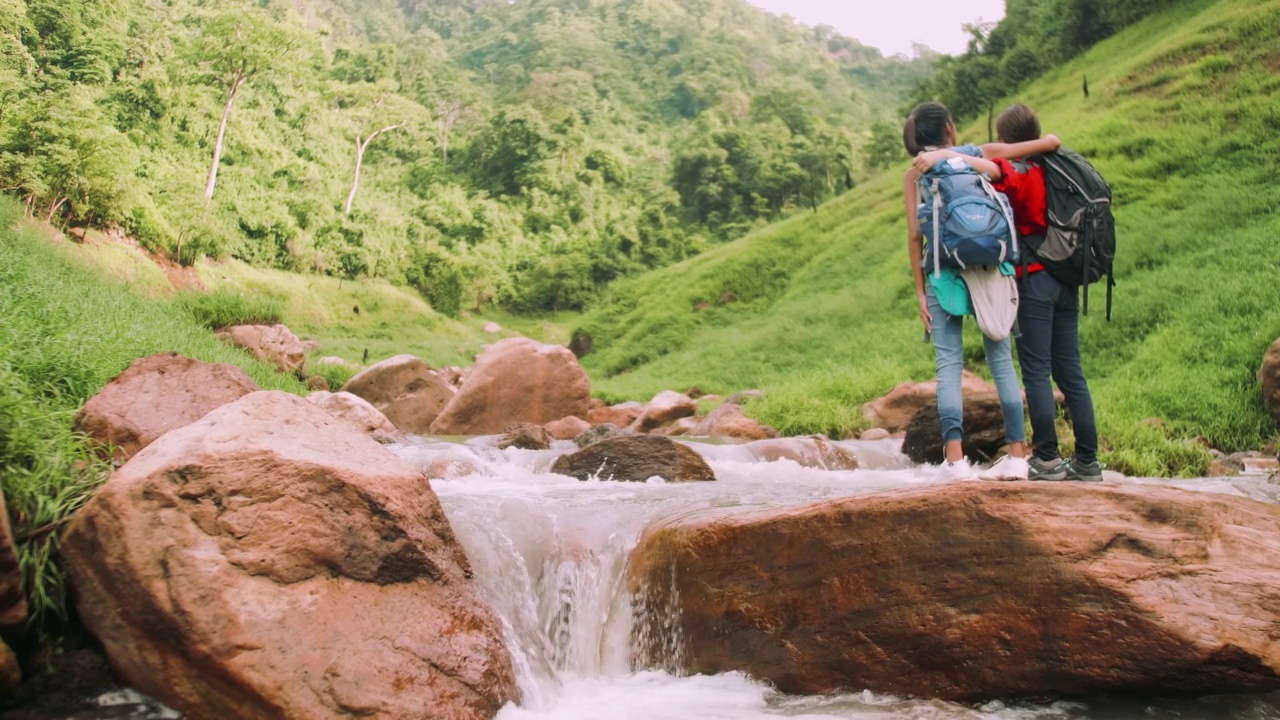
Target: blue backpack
x,y
963,219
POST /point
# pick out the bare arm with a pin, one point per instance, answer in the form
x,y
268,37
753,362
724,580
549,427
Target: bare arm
x,y
915,244
925,161
1008,151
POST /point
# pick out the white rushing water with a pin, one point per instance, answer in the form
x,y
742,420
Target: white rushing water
x,y
549,553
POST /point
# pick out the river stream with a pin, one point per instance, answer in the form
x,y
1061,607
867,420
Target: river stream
x,y
549,552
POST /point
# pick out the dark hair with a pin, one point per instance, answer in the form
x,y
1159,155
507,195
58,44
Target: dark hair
x,y
1018,123
927,125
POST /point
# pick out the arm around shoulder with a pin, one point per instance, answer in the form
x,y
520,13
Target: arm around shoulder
x,y
1008,151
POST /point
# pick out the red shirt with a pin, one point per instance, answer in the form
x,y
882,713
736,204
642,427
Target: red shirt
x,y
1025,191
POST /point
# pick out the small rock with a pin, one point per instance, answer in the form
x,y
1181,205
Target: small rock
x,y
567,428
635,458
525,436
603,431
492,327
875,434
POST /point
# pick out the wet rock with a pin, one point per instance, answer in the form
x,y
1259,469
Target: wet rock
x,y
357,412
665,408
596,433
635,458
516,380
156,394
1269,376
816,451
894,411
275,344
622,414
264,561
404,389
525,436
983,431
875,434
973,591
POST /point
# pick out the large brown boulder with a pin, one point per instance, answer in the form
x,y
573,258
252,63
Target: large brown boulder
x,y
894,411
1270,377
406,390
635,458
516,380
983,431
275,344
979,590
359,413
269,561
156,394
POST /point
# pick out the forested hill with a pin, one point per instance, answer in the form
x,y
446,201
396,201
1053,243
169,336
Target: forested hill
x,y
524,153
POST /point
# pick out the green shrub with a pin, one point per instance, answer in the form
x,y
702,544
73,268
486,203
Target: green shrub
x,y
224,307
334,374
48,473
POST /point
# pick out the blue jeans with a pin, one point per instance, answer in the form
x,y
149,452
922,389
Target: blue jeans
x,y
1048,316
948,346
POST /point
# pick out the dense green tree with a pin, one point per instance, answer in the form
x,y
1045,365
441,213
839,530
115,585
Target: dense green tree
x,y
545,148
234,43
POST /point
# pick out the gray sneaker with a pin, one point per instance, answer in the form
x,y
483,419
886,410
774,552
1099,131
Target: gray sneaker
x,y
1054,469
1083,472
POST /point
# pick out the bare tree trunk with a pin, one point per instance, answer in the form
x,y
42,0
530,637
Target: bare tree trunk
x,y
222,131
360,148
355,182
54,208
449,115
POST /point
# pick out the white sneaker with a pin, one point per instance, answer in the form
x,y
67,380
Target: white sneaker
x,y
1007,468
958,470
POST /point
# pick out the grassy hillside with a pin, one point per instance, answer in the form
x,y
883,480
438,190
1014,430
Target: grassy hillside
x,y
819,310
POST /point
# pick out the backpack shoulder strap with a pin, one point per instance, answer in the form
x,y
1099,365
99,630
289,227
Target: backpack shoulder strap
x,y
1004,209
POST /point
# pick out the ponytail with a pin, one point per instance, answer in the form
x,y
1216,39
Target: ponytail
x,y
909,137
926,125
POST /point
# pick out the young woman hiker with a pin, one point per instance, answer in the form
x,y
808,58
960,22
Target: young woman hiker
x,y
1048,312
943,301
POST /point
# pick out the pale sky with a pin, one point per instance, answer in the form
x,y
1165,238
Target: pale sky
x,y
892,25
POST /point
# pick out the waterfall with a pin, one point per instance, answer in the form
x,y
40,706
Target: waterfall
x,y
550,553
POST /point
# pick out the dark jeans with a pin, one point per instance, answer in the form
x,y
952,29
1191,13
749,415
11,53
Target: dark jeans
x,y
1049,319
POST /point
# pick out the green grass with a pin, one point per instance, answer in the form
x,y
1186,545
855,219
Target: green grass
x,y
819,311
66,328
366,321
224,307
